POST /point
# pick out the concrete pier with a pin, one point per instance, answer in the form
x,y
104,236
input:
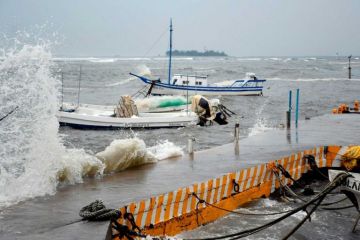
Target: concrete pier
x,y
56,217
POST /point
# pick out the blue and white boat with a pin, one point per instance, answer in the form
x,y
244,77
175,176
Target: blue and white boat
x,y
181,84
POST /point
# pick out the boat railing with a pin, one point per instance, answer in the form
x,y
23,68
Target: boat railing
x,y
248,83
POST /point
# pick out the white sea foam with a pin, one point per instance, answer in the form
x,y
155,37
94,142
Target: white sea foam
x,y
249,59
103,60
259,127
125,153
165,149
33,159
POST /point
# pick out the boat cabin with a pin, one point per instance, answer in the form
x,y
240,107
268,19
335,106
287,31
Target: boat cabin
x,y
189,80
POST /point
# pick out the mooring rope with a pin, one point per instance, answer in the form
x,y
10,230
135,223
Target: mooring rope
x,y
96,211
340,178
297,196
312,163
238,212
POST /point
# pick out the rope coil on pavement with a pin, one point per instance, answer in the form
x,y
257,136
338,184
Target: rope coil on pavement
x,y
96,211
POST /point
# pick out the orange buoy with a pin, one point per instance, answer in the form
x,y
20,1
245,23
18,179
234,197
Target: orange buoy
x,y
356,105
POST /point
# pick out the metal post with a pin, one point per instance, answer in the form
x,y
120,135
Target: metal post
x,y
236,138
297,107
288,119
170,52
237,132
349,66
191,145
288,113
290,99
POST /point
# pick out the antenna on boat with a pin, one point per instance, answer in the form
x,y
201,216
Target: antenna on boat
x,y
78,103
187,95
62,90
170,51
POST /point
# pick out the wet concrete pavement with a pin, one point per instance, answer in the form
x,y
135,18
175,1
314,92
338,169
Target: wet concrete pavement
x,y
56,217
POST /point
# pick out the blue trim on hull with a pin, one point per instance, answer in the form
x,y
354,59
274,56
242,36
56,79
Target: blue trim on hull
x,y
93,127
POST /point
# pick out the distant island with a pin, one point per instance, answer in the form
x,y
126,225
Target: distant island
x,y
194,53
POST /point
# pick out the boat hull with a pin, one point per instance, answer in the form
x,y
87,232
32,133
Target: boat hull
x,y
154,120
157,90
352,183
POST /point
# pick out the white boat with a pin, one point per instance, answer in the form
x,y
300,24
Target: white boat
x,y
83,117
181,84
351,185
121,116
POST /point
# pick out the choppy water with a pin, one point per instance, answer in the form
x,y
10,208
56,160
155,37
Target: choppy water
x,y
36,156
321,80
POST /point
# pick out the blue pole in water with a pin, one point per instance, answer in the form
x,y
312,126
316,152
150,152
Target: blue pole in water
x,y
290,98
297,107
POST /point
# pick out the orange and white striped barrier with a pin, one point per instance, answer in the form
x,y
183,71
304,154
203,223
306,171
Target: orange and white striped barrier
x,y
183,209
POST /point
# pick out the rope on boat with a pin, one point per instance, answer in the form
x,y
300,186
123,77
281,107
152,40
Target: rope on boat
x,y
237,212
122,231
141,91
312,163
96,211
287,175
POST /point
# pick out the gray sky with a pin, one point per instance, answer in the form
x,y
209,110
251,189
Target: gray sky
x,y
240,28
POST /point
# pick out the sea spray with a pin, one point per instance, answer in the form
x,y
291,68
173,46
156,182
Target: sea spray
x,y
165,149
142,70
33,159
125,153
260,125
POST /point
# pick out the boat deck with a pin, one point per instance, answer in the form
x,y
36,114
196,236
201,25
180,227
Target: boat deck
x,y
56,217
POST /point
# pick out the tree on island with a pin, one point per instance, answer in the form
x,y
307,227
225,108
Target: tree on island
x,y
194,53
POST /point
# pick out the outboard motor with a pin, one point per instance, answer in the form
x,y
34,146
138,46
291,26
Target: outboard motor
x,y
207,110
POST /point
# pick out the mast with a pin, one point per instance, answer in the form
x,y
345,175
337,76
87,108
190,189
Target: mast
x,y
170,51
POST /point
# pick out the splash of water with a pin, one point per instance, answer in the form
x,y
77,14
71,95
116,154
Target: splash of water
x,y
33,159
142,70
125,153
260,125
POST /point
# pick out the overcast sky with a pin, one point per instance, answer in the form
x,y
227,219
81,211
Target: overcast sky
x,y
240,28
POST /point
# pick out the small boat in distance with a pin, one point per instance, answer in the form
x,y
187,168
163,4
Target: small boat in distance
x,y
181,84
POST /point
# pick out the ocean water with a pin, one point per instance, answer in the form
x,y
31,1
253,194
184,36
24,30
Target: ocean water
x,y
321,80
37,156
